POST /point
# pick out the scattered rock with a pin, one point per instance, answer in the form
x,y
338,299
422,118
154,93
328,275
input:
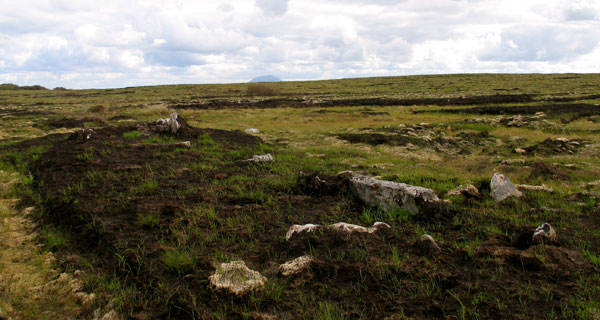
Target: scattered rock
x,y
340,227
296,229
502,188
168,124
512,162
544,234
552,146
468,191
352,228
252,130
389,195
520,151
427,246
295,266
543,187
237,278
263,158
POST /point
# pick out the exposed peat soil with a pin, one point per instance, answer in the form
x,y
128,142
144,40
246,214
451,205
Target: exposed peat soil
x,y
126,200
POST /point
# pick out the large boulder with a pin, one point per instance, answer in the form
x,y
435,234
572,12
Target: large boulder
x,y
237,278
502,188
389,195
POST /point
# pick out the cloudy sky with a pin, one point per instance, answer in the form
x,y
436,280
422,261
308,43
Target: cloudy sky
x,y
109,43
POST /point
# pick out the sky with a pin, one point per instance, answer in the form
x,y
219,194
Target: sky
x,y
108,43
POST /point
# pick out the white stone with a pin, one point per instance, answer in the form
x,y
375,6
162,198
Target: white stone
x,y
503,188
543,187
237,278
352,228
252,130
297,228
389,195
520,151
260,158
169,124
295,266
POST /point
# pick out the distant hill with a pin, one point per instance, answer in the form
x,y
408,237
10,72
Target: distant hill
x,y
267,78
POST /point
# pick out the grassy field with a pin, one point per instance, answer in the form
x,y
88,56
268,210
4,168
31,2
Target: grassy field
x,y
143,222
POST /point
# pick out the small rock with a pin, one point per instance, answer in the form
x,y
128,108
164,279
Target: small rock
x,y
85,299
424,124
237,278
544,234
427,246
252,130
263,158
296,228
352,228
510,162
469,191
503,188
543,187
295,266
562,139
520,151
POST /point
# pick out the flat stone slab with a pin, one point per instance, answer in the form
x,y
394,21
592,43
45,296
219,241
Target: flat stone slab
x,y
341,227
389,195
295,266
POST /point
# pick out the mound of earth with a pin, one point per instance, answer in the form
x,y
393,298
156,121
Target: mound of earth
x,y
156,219
552,146
425,137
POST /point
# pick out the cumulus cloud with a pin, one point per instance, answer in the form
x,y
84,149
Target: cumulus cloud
x,y
79,44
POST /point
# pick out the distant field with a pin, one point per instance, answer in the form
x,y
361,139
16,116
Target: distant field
x,y
142,221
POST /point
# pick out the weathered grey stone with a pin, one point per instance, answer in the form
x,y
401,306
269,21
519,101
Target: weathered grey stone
x,y
341,227
237,278
297,228
295,266
389,195
543,187
544,234
252,130
260,158
427,246
503,188
469,191
168,124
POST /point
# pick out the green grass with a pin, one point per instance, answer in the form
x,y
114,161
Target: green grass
x,y
178,261
132,134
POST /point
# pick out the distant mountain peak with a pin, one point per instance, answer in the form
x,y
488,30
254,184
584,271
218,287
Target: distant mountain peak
x,y
266,78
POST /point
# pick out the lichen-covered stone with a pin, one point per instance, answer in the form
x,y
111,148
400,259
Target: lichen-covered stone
x,y
295,266
503,188
237,278
389,195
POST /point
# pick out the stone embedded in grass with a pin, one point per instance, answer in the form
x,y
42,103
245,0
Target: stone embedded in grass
x,y
168,124
468,191
520,151
297,228
237,278
545,234
427,246
295,266
252,130
260,158
543,187
512,162
503,188
389,195
341,227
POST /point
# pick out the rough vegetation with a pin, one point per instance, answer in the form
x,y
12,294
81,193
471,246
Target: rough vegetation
x,y
194,202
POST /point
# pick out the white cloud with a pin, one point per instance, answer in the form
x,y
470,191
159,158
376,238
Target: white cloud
x,y
79,44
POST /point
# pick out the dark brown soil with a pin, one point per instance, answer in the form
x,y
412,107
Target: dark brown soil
x,y
581,109
93,190
301,103
556,146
